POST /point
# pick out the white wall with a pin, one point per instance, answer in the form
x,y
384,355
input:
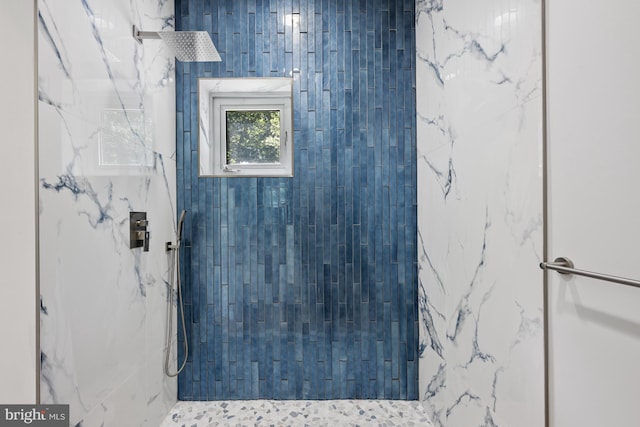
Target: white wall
x,y
594,206
18,214
479,106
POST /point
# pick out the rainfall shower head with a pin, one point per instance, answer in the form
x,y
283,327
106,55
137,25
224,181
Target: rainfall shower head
x,y
187,46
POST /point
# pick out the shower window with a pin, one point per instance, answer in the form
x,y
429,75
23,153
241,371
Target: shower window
x,y
250,132
252,136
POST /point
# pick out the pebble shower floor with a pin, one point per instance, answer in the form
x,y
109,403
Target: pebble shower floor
x,y
280,413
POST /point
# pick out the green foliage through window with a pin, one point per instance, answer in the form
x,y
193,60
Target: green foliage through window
x,y
253,136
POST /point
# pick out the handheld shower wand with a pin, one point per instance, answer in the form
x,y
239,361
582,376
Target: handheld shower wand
x,y
175,274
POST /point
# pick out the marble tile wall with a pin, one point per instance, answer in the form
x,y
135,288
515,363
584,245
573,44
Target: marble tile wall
x,y
305,288
106,140
480,211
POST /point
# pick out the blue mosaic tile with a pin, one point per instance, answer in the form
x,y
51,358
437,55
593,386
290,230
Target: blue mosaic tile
x,y
305,288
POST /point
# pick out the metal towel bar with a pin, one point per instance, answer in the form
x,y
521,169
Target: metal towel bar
x,y
564,265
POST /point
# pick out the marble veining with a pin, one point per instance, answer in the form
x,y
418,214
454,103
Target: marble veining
x,y
106,147
292,413
478,100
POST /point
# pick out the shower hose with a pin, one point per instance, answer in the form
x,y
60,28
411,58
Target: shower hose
x,y
175,276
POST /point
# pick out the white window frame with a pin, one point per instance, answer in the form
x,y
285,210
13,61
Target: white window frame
x,y
216,97
251,102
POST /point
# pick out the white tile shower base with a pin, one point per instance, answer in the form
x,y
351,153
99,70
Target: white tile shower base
x,y
335,413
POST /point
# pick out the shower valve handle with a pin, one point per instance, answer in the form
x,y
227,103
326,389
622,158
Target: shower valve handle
x,y
138,233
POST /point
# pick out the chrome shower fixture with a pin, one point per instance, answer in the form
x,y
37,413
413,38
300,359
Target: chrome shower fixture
x,y
187,46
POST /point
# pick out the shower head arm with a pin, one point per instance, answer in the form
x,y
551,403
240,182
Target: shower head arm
x,y
143,35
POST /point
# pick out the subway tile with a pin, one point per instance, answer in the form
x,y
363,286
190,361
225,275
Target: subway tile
x,y
303,287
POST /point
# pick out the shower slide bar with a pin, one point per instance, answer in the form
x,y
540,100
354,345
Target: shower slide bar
x,y
564,265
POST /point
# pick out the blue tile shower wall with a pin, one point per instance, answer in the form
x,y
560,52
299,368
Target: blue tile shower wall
x,y
305,288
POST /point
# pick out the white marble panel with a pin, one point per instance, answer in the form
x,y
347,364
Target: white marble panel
x,y
107,146
480,212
